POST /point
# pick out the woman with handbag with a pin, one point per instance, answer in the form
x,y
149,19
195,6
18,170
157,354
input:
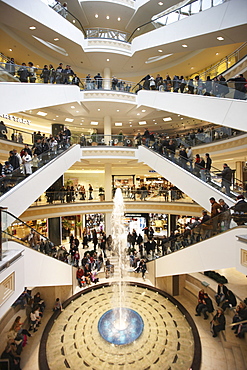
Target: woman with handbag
x,y
218,323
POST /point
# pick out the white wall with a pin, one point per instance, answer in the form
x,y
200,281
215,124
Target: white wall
x,y
17,96
18,199
47,17
221,251
18,268
221,111
194,187
200,30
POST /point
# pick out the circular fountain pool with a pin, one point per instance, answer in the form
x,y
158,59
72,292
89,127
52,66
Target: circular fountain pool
x,y
120,326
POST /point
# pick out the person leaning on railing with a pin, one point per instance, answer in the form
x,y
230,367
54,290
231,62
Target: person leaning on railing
x,y
240,210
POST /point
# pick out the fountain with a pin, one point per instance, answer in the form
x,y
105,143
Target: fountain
x,y
120,325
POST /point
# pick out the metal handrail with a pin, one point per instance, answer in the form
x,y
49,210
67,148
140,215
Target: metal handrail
x,y
178,10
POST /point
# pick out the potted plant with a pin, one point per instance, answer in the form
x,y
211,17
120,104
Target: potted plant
x,y
101,194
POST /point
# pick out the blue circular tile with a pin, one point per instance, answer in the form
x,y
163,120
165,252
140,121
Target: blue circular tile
x,y
120,331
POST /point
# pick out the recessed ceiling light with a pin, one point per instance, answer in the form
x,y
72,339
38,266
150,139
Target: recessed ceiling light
x,y
138,114
184,46
155,123
130,125
166,119
138,29
98,109
72,106
69,119
77,111
192,68
181,118
96,16
143,110
153,119
73,21
119,19
142,122
107,17
43,114
81,124
220,38
54,119
118,124
217,54
108,60
94,123
82,120
117,110
56,39
32,28
10,50
57,116
160,3
178,115
160,51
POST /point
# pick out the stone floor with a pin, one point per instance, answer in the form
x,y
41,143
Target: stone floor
x,y
216,352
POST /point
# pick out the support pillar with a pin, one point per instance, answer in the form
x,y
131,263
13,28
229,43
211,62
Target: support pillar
x,y
55,230
107,130
108,182
107,79
239,171
108,223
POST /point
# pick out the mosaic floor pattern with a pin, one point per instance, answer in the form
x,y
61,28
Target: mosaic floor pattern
x,y
166,341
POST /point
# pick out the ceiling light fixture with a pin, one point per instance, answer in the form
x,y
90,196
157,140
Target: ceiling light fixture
x,y
160,3
166,119
142,122
96,16
94,123
56,39
73,21
43,114
57,116
143,110
138,29
220,38
217,54
119,19
77,111
118,124
98,109
69,119
117,110
10,50
32,28
108,60
138,114
72,106
184,46
107,17
160,51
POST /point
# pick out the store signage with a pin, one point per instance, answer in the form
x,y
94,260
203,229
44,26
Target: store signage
x,y
15,119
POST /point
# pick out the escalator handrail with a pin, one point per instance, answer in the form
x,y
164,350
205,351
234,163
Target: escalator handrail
x,y
10,176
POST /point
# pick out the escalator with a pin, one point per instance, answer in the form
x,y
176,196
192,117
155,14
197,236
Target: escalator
x,y
181,176
211,245
20,191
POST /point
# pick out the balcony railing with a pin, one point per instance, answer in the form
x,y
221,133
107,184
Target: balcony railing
x,y
174,14
106,33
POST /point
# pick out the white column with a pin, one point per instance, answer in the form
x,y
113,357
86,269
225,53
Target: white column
x,y
108,182
107,79
107,129
108,223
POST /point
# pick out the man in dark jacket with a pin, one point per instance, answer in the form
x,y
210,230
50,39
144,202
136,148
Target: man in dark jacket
x,y
13,160
226,175
240,89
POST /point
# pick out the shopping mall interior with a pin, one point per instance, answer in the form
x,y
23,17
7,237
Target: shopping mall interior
x,y
109,95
